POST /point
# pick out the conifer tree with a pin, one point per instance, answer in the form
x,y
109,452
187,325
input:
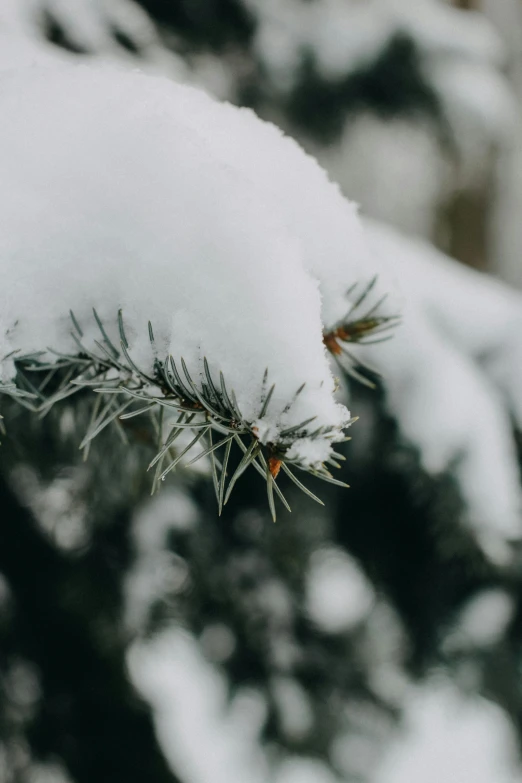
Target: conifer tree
x,y
248,593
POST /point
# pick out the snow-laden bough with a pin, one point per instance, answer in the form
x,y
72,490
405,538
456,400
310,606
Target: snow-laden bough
x,y
181,258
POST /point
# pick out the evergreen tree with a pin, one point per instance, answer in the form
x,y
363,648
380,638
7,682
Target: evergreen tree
x,y
85,574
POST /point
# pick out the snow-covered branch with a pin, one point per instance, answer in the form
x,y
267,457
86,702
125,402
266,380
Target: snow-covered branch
x,y
122,192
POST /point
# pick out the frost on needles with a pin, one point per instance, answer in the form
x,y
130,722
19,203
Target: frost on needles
x,y
177,257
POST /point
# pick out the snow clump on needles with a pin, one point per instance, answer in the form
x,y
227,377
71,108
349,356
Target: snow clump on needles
x,y
125,191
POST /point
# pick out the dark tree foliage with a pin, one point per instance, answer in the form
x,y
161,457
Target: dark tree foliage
x,y
391,86
207,24
64,617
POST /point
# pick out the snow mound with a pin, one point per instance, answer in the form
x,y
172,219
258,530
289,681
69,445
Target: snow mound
x,y
120,190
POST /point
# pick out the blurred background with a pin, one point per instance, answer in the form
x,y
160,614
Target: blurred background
x,y
377,640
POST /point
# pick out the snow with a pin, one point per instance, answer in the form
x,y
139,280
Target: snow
x,y
281,247
333,245
482,623
345,36
19,39
452,737
157,571
506,237
299,769
479,315
338,596
191,711
294,710
385,648
449,372
461,58
58,507
89,24
448,400
374,157
122,190
356,750
479,106
340,35
93,27
48,773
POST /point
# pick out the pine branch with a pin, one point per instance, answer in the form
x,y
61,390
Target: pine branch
x,y
120,390
360,328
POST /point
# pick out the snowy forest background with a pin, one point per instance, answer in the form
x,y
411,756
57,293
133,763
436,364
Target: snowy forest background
x,y
377,639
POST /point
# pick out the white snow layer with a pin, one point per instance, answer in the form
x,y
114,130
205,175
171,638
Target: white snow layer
x,y
120,190
443,398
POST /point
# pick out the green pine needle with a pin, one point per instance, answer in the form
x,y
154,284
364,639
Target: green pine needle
x,y
121,391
